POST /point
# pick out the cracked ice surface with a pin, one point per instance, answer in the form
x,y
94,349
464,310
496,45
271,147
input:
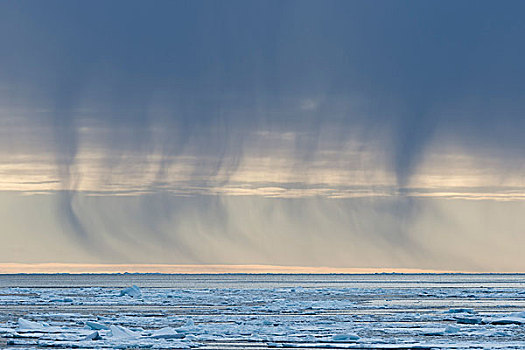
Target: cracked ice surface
x,y
262,311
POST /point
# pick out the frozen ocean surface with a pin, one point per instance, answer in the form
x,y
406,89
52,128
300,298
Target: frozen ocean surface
x,y
243,311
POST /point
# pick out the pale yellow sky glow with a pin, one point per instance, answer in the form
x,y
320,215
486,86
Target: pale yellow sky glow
x,y
8,268
354,171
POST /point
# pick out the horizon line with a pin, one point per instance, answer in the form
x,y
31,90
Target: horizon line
x,y
92,268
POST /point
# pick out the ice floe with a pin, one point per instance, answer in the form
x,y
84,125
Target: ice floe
x,y
132,291
123,333
96,325
24,324
167,333
93,336
345,337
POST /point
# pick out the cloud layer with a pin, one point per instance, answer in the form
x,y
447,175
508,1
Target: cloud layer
x,y
271,100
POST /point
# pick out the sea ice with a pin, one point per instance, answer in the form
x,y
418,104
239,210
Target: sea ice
x,y
460,311
63,300
513,318
189,327
132,291
450,329
345,337
123,333
167,333
508,320
258,317
96,326
93,336
24,324
469,320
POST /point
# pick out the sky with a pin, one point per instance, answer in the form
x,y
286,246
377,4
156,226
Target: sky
x,y
310,134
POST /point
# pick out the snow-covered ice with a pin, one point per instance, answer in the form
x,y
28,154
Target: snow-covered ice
x,y
167,333
26,325
96,325
272,311
93,336
132,291
123,332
